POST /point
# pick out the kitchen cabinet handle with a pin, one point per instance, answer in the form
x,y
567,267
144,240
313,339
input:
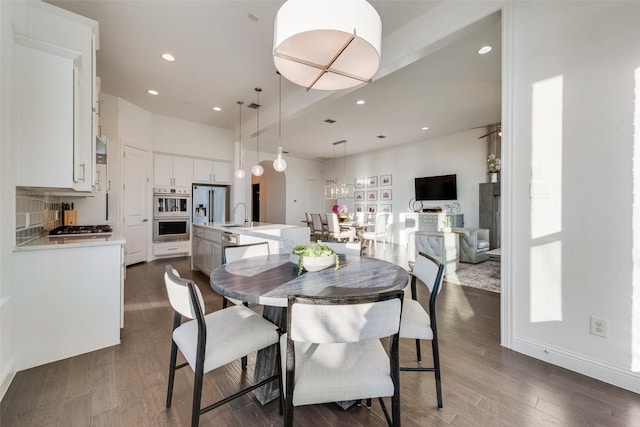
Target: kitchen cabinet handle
x,y
83,169
145,220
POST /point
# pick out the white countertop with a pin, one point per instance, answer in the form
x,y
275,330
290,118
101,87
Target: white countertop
x,y
46,242
255,228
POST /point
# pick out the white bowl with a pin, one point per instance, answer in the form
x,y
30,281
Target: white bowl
x,y
311,263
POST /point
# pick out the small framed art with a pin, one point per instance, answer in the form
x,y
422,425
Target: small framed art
x,y
359,183
372,181
385,208
358,196
372,195
372,208
385,180
385,194
359,208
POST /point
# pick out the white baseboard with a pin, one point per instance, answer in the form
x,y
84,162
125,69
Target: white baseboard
x,y
578,363
8,373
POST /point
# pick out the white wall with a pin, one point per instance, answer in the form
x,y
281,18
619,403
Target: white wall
x,y
190,139
10,14
461,154
572,238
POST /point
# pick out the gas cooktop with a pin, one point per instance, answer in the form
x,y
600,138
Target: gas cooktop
x,y
84,230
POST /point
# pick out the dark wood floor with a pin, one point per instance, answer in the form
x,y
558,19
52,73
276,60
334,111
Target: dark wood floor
x,y
483,383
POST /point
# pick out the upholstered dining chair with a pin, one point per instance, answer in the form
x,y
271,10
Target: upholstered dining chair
x,y
234,253
332,351
335,233
380,231
419,324
210,341
319,232
309,221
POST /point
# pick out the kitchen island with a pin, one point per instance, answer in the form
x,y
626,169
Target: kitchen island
x,y
208,240
70,295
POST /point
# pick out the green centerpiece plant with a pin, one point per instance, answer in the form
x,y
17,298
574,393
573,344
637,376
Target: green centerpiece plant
x,y
314,250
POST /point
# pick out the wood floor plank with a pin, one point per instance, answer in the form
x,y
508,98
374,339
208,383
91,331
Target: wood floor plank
x,y
77,412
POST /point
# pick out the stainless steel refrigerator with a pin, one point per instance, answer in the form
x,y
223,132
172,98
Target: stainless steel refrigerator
x,y
210,203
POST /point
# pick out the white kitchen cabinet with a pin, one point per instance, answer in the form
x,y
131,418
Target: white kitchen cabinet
x,y
54,98
172,171
71,298
211,172
206,249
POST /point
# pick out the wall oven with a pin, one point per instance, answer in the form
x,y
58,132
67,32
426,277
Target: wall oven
x,y
171,202
171,229
171,214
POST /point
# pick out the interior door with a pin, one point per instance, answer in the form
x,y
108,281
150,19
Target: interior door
x,y
135,219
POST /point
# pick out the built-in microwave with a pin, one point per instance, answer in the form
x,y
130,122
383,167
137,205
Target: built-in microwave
x,y
171,202
171,229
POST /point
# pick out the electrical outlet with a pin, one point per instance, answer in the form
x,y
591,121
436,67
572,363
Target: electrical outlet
x,y
599,327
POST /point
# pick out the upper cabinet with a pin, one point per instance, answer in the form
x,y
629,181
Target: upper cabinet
x,y
211,172
54,74
172,171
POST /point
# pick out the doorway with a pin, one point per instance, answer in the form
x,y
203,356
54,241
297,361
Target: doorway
x,y
255,202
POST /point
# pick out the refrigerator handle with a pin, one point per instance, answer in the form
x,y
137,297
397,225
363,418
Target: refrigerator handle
x,y
210,214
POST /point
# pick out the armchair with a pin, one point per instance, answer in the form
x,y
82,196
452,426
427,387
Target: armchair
x,y
474,244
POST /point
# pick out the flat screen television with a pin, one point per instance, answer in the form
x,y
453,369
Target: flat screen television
x,y
441,187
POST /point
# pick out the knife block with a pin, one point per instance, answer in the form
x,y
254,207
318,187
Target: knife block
x,y
69,218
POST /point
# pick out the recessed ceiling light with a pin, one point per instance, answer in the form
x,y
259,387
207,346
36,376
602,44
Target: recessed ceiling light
x,y
168,57
153,92
425,128
485,49
360,102
217,109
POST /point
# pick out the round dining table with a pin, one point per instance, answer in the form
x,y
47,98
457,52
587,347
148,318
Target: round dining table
x,y
269,280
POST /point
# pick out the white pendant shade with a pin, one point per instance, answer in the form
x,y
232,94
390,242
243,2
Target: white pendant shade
x,y
279,164
327,44
257,169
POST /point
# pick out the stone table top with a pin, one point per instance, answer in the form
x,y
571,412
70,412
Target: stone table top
x,y
269,280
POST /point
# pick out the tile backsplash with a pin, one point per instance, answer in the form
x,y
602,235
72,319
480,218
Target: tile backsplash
x,y
36,214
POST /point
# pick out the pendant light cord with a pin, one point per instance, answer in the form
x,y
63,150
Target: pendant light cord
x,y
240,103
258,90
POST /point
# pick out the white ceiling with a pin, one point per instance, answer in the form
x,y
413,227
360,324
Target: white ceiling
x,y
223,51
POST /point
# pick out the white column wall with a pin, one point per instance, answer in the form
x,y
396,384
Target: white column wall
x,y
580,257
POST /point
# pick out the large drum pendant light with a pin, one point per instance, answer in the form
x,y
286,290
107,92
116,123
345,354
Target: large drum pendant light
x,y
327,44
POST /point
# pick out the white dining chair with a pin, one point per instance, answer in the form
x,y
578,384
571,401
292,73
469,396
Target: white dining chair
x,y
332,351
335,233
210,341
319,232
379,232
419,324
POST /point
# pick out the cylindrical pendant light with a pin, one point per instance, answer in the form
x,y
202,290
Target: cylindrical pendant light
x,y
327,44
240,172
257,169
279,164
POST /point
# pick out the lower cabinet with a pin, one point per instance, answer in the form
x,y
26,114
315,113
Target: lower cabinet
x,y
171,248
206,249
71,298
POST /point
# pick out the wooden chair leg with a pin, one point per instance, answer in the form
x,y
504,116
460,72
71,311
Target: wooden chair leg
x,y
224,302
197,393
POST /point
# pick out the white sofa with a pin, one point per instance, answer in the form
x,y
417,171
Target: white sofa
x,y
442,246
474,244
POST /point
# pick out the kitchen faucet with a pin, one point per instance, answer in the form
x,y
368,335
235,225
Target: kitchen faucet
x,y
246,220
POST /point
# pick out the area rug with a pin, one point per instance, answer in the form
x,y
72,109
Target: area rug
x,y
485,275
